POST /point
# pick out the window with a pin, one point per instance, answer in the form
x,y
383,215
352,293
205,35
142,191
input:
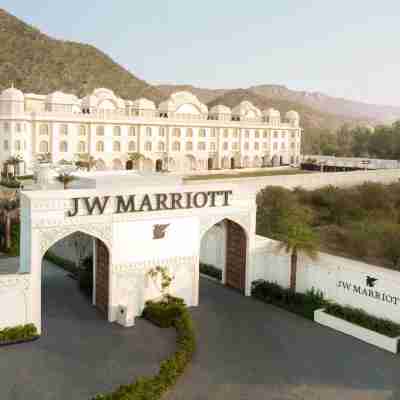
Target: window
x,y
161,146
18,127
283,135
100,146
176,146
43,147
117,131
275,135
256,146
100,131
63,129
17,145
202,132
189,146
257,134
63,146
148,132
177,132
226,132
235,146
213,132
275,146
246,146
247,134
265,145
235,132
81,147
132,131
132,146
212,146
265,134
283,146
201,146
225,146
162,132
293,135
116,145
6,127
292,146
44,129
24,144
148,146
82,130
189,132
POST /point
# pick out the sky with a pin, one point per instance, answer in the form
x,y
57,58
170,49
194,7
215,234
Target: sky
x,y
343,48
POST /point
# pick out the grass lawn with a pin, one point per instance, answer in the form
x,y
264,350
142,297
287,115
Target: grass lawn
x,y
246,174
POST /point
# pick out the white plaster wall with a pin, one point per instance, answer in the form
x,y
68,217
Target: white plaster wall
x,y
213,247
325,274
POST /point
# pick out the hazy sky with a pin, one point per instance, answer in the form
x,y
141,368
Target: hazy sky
x,y
345,48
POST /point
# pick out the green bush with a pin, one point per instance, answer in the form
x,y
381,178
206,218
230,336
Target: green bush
x,y
63,263
14,249
18,333
152,388
303,304
211,271
361,318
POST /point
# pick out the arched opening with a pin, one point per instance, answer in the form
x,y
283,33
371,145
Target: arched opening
x,y
189,162
233,163
246,162
75,277
129,165
280,160
117,164
210,163
159,165
100,165
275,161
148,165
223,252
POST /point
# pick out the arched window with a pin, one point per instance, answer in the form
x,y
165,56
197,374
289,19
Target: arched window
x,y
18,127
117,131
201,146
177,132
212,146
225,146
63,129
44,129
6,127
17,145
63,146
6,145
256,146
246,146
44,147
100,130
148,132
213,132
148,146
81,147
132,146
226,132
235,132
116,146
247,134
176,146
100,146
132,131
189,132
257,134
265,134
161,132
202,132
161,146
189,146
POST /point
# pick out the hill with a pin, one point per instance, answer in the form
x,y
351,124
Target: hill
x,y
37,63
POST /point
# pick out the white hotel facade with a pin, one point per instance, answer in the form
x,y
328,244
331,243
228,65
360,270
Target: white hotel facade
x,y
181,134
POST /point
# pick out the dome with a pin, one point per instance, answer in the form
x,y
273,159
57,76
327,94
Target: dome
x,y
90,101
61,98
247,110
271,112
12,94
167,106
220,109
292,115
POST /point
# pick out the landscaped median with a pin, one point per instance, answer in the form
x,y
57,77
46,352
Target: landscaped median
x,y
382,333
18,334
170,312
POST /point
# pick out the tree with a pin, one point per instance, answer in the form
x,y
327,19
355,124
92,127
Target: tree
x,y
65,178
162,279
298,237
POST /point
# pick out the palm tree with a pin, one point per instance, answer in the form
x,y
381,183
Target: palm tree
x,y
298,237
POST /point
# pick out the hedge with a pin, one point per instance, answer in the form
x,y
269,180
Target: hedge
x,y
303,304
170,312
360,317
61,262
211,271
20,333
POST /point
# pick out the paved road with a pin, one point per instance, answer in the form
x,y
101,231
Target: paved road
x,y
79,354
250,350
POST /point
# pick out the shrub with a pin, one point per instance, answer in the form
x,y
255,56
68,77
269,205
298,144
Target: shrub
x,y
61,262
152,388
10,183
211,271
18,333
14,249
303,304
361,318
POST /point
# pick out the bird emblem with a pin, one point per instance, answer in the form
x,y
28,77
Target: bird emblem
x,y
159,231
371,281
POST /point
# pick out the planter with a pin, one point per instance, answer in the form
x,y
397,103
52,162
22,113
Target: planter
x,y
366,335
19,341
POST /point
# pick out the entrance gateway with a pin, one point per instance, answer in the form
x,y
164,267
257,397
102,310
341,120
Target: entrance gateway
x,y
136,224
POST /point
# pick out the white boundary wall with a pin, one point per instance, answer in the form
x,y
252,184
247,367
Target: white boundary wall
x,y
340,279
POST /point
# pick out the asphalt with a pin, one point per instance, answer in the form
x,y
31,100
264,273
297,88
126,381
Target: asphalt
x,y
246,350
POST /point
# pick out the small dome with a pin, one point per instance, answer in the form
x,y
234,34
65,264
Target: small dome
x,y
271,112
167,106
143,104
90,101
292,115
220,109
12,94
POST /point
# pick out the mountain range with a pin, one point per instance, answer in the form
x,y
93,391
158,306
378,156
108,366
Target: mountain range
x,y
37,63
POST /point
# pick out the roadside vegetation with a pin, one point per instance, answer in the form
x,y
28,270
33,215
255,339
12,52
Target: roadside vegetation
x,y
360,222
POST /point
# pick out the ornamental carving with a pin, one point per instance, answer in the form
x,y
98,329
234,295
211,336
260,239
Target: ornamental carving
x,y
17,281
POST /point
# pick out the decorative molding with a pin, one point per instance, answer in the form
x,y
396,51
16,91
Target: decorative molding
x,y
17,281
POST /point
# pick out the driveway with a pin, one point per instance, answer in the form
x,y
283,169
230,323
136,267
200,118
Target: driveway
x,y
80,354
250,350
